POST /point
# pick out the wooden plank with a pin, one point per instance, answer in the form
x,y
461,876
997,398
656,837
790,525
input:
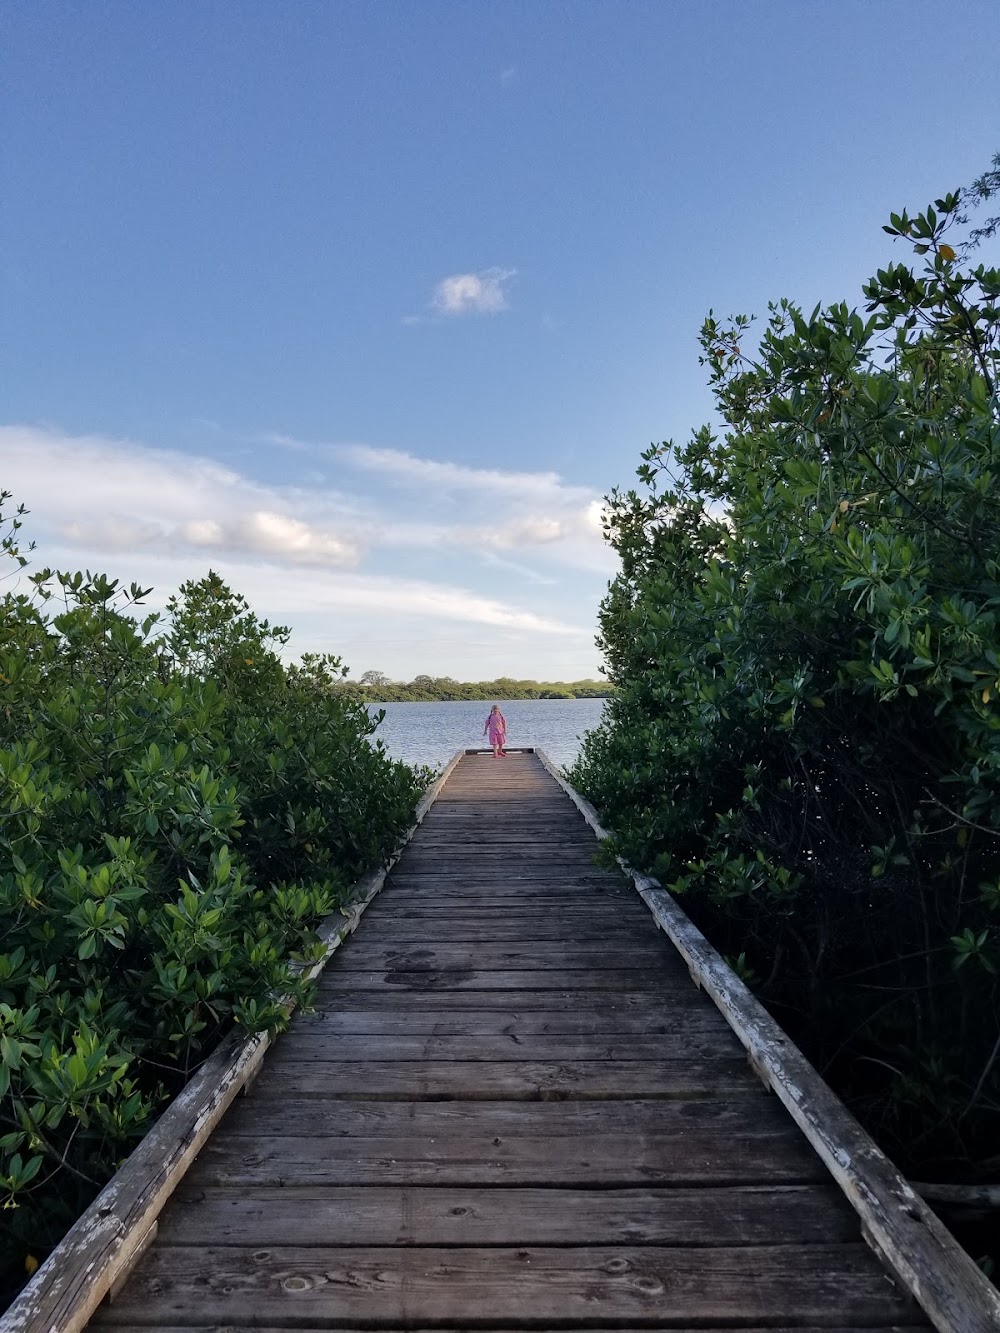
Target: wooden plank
x,y
824,1284
563,826
315,1045
625,1121
562,1328
458,849
508,810
979,1198
507,842
423,932
505,847
348,1215
506,893
504,839
466,897
533,900
392,1000
406,1079
498,786
402,914
404,980
501,870
412,919
464,893
505,788
488,826
458,860
900,1226
399,906
501,931
495,893
371,955
562,820
689,1014
478,1158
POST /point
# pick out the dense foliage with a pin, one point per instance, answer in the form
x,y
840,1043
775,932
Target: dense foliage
x,y
805,741
422,689
178,809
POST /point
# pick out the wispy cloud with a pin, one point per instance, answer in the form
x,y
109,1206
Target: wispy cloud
x,y
400,468
118,496
501,511
161,517
482,293
114,495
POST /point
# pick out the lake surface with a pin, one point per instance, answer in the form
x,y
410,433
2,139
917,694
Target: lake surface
x,y
430,733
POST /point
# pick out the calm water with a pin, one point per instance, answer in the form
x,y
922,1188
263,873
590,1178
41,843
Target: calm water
x,y
430,733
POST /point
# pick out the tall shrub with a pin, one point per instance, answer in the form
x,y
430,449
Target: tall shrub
x,y
178,809
805,741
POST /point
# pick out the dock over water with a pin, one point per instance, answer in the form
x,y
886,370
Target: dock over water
x,y
512,1109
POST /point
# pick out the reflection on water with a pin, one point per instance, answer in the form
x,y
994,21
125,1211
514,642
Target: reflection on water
x,y
430,733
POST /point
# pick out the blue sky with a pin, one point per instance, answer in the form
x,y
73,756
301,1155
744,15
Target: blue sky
x,y
366,305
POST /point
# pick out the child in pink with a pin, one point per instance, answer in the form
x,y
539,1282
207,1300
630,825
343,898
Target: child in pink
x,y
496,730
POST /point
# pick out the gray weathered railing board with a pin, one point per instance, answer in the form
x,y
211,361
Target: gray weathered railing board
x,y
105,1241
914,1244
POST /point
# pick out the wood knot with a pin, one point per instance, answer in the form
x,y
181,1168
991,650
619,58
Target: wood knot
x,y
651,1286
296,1283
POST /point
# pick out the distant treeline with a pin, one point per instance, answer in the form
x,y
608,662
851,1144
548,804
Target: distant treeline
x,y
379,688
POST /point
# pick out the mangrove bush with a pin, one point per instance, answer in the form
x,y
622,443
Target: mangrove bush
x,y
804,741
178,809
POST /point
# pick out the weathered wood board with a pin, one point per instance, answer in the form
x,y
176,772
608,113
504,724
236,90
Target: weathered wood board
x,y
394,1287
511,1110
415,1215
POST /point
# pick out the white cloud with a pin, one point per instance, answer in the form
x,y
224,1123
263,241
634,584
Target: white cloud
x,y
400,468
316,592
280,535
533,530
473,293
203,532
161,517
539,509
593,518
457,505
113,495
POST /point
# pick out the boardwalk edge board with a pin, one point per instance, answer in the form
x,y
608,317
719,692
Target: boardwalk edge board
x,y
105,1242
906,1234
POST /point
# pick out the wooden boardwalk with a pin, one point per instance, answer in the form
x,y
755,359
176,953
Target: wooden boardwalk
x,y
511,1110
